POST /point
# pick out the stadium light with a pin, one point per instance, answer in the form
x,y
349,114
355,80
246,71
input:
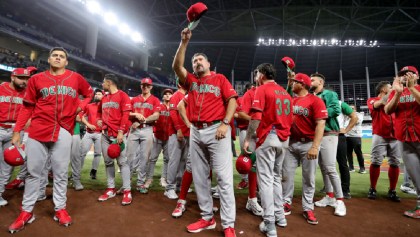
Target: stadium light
x,y
110,18
93,7
124,29
316,42
137,37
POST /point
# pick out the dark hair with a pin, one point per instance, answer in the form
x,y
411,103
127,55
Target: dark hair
x,y
111,77
318,75
380,86
267,70
248,86
199,54
98,90
59,49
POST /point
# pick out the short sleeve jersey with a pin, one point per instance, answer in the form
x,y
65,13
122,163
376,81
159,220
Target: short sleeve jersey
x,y
161,126
381,122
208,97
176,120
146,107
91,112
10,103
407,117
274,109
306,111
112,107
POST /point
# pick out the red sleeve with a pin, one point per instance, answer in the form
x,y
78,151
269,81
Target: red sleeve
x,y
246,103
227,89
126,108
256,115
157,105
99,114
86,91
25,113
320,111
391,95
259,100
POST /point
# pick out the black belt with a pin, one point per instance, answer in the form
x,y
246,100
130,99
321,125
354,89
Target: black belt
x,y
302,139
201,125
144,125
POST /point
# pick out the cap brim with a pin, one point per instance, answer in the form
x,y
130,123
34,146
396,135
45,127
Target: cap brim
x,y
21,152
402,73
193,24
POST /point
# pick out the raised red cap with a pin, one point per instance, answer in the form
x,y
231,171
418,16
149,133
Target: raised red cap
x,y
196,11
288,63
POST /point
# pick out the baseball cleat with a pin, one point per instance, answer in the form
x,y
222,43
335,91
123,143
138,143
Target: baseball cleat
x,y
200,225
281,221
62,217
243,184
340,209
229,232
127,198
392,195
372,194
326,201
287,208
253,206
23,219
310,217
143,189
269,229
163,182
109,193
408,190
16,184
415,213
171,194
93,173
179,209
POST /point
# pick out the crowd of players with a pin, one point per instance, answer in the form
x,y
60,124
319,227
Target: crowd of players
x,y
280,130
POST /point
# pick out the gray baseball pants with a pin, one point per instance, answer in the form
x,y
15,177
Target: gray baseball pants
x,y
327,163
142,137
87,141
158,146
178,159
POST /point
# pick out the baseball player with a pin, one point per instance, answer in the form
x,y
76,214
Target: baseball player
x,y
272,131
11,97
383,142
243,118
113,117
309,115
93,133
52,100
328,149
404,102
160,139
346,121
145,112
211,105
19,181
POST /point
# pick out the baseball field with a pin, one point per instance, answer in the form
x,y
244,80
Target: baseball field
x,y
150,214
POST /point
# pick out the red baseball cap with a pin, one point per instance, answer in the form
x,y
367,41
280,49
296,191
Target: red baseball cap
x,y
32,70
196,11
406,69
303,78
288,62
146,81
243,164
14,156
114,150
21,72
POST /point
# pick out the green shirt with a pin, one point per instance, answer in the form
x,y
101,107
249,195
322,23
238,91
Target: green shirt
x,y
76,129
331,101
346,109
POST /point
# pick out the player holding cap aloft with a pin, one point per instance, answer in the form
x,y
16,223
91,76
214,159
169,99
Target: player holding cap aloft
x,y
113,112
404,102
211,105
11,95
272,131
146,109
309,114
52,102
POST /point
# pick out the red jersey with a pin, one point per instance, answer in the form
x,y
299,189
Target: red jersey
x,y
381,122
208,97
114,110
306,111
407,117
272,101
176,120
146,107
51,101
91,112
10,103
245,106
161,126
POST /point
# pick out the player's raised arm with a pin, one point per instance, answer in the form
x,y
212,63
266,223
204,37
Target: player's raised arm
x,y
179,59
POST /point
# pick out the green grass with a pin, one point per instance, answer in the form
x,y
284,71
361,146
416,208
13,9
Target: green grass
x,y
359,182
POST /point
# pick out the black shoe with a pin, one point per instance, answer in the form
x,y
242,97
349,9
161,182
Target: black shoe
x,y
392,195
372,194
93,174
347,195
